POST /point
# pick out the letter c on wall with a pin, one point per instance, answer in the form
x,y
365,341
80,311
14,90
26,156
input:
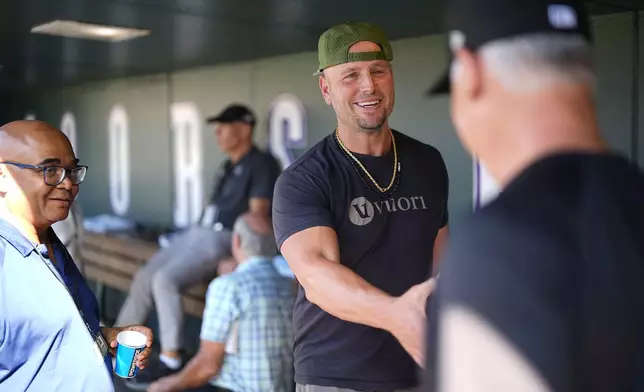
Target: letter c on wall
x,y
287,127
119,159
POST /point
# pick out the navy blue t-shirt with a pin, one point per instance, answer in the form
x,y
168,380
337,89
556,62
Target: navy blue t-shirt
x,y
253,176
387,240
556,266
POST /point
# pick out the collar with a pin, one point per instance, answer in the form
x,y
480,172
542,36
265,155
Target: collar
x,y
15,238
252,262
253,150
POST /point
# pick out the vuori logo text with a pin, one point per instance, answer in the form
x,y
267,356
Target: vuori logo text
x,y
362,211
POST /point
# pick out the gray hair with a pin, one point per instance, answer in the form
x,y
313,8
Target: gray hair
x,y
536,61
252,243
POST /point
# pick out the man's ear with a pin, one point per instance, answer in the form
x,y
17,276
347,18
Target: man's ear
x,y
469,74
324,89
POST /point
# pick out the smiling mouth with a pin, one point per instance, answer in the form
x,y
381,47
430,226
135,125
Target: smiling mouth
x,y
63,200
368,104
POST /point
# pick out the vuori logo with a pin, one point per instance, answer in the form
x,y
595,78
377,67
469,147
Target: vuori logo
x,y
362,211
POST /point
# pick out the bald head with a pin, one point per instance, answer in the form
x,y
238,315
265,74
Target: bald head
x,y
255,235
36,162
25,138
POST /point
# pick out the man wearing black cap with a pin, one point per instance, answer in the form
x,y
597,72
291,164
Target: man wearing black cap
x,y
543,290
361,218
244,182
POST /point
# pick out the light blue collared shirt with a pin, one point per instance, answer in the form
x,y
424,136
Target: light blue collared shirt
x,y
44,342
258,302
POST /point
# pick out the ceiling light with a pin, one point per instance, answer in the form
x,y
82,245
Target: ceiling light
x,y
73,29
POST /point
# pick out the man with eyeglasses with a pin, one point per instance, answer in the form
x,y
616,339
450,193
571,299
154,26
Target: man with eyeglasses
x,y
50,337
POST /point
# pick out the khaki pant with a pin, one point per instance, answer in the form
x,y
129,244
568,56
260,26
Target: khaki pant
x,y
190,257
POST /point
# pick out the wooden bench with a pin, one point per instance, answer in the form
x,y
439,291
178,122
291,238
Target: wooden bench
x,y
113,260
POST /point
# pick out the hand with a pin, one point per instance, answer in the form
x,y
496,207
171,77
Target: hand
x,y
409,320
165,384
141,359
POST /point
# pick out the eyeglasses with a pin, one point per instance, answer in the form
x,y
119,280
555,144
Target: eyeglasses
x,y
54,175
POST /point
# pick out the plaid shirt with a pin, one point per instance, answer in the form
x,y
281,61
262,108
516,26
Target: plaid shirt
x,y
252,309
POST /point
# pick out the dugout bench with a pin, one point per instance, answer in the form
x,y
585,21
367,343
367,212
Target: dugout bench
x,y
112,260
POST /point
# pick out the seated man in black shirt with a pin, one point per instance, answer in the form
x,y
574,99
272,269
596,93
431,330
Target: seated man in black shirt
x,y
543,289
361,218
244,182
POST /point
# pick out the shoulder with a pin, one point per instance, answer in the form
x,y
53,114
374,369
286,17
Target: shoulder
x,y
314,159
222,287
11,247
514,225
262,159
416,146
502,246
311,168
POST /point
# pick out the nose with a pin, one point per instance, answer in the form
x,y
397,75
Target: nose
x,y
67,182
366,83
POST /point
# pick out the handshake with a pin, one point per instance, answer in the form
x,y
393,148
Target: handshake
x,y
409,322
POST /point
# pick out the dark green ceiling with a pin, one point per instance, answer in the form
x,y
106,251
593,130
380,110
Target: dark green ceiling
x,y
187,33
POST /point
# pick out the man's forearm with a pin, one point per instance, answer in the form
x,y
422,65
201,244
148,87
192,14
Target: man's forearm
x,y
196,373
341,292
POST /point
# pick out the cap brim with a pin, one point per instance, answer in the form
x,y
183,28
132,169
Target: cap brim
x,y
214,119
441,87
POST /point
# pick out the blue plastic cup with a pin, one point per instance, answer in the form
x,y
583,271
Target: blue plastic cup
x,y
131,343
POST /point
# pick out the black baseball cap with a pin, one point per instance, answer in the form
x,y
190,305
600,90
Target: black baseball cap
x,y
473,23
233,113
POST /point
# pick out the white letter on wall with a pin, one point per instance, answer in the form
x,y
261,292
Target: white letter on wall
x,y
188,163
68,126
119,159
287,127
486,188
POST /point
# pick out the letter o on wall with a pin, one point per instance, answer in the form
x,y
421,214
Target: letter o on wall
x,y
119,159
68,127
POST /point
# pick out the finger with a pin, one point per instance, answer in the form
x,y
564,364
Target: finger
x,y
145,353
427,287
141,361
114,343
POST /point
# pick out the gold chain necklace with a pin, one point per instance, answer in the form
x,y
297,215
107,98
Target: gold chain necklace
x,y
356,160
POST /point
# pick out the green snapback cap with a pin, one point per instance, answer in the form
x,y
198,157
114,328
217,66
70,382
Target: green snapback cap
x,y
334,44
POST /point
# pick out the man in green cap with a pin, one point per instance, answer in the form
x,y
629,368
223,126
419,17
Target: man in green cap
x,y
360,218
